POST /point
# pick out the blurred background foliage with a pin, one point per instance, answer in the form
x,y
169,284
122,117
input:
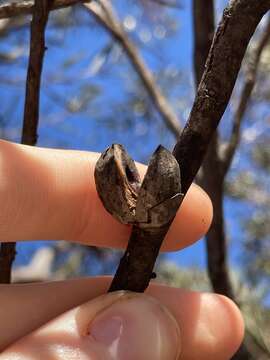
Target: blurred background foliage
x,y
91,97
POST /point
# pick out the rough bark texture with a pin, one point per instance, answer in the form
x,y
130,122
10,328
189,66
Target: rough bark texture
x,y
27,7
31,108
133,272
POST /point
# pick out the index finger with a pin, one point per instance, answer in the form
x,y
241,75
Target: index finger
x,y
50,194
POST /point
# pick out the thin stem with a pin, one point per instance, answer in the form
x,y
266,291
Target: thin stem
x,y
31,108
27,7
248,86
105,15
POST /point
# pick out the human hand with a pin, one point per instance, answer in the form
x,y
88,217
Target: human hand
x,y
50,194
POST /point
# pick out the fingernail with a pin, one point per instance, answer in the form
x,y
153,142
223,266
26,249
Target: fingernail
x,y
138,327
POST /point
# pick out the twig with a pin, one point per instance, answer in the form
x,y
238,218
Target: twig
x,y
27,7
149,207
31,108
213,185
231,39
249,83
239,22
106,16
203,29
37,50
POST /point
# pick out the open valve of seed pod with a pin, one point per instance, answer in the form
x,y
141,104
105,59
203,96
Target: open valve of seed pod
x,y
150,206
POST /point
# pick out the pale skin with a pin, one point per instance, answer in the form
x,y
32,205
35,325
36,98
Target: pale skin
x,y
50,194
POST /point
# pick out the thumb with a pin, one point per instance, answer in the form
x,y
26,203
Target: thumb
x,y
120,325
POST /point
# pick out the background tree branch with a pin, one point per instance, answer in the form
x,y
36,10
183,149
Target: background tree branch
x,y
36,55
27,7
203,32
213,185
248,86
231,39
213,163
106,16
213,174
31,108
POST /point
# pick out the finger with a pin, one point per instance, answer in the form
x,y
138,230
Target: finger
x,y
211,325
50,194
115,326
